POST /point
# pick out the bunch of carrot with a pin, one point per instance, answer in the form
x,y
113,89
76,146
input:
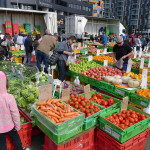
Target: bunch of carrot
x,y
56,111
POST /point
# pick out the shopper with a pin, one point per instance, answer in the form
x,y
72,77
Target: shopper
x,y
9,116
122,50
20,40
24,38
43,50
15,37
36,43
132,40
65,50
28,49
96,38
138,42
2,53
143,42
104,40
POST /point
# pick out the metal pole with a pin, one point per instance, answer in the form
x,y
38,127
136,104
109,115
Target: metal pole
x,y
17,5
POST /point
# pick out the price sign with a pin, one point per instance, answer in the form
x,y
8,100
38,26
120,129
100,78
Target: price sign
x,y
140,53
43,67
86,52
142,63
135,49
129,66
45,92
124,103
135,54
49,69
65,94
90,58
75,56
50,79
11,59
53,67
87,91
37,79
144,78
149,63
22,47
105,50
98,52
105,62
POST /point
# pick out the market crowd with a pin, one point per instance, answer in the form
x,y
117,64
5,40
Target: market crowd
x,y
43,47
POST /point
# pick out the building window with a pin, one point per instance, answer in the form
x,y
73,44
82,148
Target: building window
x,y
83,8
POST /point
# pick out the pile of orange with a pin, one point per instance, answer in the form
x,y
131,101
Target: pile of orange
x,y
103,57
144,92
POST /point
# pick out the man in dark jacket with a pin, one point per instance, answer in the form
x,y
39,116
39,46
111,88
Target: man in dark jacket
x,y
28,49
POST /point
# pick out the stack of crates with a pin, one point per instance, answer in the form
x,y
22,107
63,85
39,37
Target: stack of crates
x,y
15,29
8,28
21,29
38,29
27,28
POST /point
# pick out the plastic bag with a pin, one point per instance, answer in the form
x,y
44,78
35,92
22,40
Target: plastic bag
x,y
70,60
119,63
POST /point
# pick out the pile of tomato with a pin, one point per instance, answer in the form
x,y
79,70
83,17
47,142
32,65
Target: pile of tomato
x,y
83,105
126,118
97,98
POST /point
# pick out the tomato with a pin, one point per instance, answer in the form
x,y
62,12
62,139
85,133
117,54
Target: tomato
x,y
133,115
123,116
72,96
99,96
131,120
136,120
92,112
83,109
86,106
76,106
143,117
83,103
120,118
91,107
88,114
130,110
110,101
117,120
122,126
79,100
119,114
130,124
124,111
87,111
126,123
114,115
146,116
76,103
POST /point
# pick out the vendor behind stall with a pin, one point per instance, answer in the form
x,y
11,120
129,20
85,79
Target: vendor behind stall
x,y
122,50
65,50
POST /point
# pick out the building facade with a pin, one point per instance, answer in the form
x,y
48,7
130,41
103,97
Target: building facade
x,y
62,7
134,13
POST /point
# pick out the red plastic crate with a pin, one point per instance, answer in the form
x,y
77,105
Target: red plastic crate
x,y
24,133
8,22
83,142
106,142
91,147
109,94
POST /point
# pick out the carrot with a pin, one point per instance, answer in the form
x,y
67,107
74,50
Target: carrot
x,y
51,106
52,114
61,114
41,103
37,107
54,111
65,119
71,114
58,108
53,120
71,109
56,100
56,120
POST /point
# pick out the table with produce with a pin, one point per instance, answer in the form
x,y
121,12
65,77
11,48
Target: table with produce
x,y
79,116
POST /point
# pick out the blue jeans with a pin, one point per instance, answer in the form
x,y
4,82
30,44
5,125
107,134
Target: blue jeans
x,y
42,57
27,56
62,69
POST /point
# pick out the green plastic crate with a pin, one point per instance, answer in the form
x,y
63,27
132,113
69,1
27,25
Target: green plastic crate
x,y
106,86
83,78
100,46
92,82
139,100
136,71
13,53
116,132
61,132
121,91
